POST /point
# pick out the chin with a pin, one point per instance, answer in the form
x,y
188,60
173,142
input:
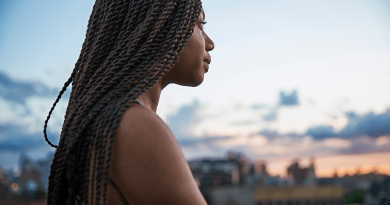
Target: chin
x,y
194,82
198,80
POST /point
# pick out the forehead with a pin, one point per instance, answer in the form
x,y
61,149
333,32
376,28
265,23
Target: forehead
x,y
202,14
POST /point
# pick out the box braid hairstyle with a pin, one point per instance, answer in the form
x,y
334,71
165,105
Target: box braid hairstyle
x,y
129,45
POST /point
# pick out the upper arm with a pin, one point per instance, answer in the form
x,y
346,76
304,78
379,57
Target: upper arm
x,y
147,163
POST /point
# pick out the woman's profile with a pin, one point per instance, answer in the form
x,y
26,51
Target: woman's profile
x,y
113,148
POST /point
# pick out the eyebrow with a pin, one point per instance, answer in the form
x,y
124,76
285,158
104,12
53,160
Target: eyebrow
x,y
204,15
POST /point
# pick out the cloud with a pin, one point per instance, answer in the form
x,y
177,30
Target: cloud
x,y
183,122
271,116
288,99
244,122
19,91
285,99
24,107
321,132
258,146
257,106
269,134
242,140
365,144
371,124
382,140
17,138
347,134
337,142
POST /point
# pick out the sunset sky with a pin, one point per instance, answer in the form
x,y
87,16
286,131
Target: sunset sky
x,y
288,80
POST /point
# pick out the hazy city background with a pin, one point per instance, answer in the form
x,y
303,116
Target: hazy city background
x,y
301,84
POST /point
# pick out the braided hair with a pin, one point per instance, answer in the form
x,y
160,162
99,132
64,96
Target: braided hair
x,y
129,45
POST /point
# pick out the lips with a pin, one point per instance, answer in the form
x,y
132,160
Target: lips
x,y
206,65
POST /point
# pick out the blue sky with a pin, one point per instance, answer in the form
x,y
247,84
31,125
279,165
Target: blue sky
x,y
309,74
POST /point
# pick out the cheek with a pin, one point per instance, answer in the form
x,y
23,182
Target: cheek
x,y
194,51
189,70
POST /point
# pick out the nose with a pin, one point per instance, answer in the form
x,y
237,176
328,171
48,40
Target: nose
x,y
209,44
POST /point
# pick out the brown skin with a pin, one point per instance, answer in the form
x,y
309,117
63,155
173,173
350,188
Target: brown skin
x,y
148,166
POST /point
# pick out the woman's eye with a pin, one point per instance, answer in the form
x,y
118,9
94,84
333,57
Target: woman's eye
x,y
202,23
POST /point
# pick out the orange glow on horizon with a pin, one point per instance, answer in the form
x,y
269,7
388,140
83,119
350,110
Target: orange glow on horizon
x,y
342,165
365,169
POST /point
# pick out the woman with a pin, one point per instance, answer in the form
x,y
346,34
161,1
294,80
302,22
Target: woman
x,y
113,148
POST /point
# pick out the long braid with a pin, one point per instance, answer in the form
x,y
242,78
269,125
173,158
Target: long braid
x,y
69,158
79,166
154,48
129,45
87,142
56,171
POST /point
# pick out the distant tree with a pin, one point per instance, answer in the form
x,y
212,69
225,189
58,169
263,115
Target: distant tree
x,y
356,196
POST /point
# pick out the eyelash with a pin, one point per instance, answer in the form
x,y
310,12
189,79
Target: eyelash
x,y
203,22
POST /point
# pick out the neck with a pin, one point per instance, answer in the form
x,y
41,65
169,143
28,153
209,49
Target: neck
x,y
151,97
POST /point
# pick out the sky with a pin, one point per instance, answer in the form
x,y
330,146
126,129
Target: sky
x,y
288,80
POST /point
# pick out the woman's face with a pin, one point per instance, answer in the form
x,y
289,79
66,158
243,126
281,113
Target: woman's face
x,y
194,60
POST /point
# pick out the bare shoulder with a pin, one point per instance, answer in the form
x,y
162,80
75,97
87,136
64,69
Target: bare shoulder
x,y
147,163
140,120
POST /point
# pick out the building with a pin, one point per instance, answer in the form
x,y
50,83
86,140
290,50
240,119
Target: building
x,y
326,195
233,195
259,176
297,175
231,170
34,175
378,192
30,176
4,182
43,167
211,173
234,181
